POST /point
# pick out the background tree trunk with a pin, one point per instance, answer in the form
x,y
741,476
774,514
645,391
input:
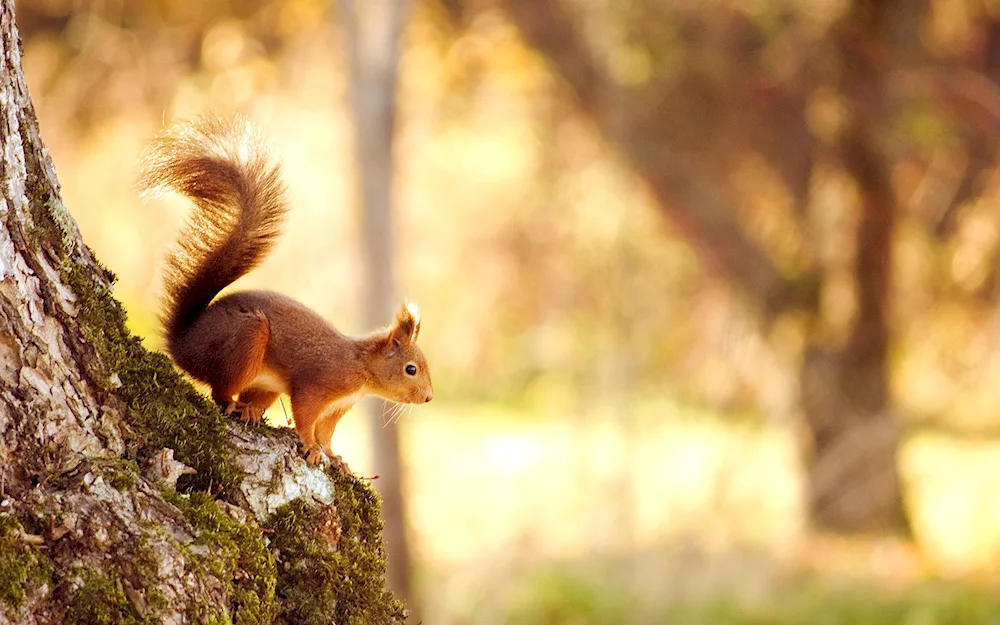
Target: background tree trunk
x,y
95,432
852,475
373,31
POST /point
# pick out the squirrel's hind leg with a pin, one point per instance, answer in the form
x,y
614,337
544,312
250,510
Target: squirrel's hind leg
x,y
244,351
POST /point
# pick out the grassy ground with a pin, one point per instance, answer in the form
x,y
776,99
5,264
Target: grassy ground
x,y
563,600
535,516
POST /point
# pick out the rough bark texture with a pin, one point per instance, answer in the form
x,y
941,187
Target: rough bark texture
x,y
95,431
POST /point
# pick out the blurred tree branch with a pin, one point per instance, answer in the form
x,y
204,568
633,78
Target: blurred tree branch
x,y
643,138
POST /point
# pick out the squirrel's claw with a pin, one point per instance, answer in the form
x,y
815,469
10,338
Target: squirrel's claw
x,y
248,412
252,414
315,455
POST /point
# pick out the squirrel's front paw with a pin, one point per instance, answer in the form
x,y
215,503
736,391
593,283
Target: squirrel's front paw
x,y
247,412
314,455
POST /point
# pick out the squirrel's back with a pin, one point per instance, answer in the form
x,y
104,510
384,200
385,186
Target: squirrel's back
x,y
224,168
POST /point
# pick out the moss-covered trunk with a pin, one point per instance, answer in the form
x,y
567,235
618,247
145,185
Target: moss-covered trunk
x,y
124,496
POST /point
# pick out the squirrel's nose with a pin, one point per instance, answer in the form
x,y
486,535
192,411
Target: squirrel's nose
x,y
430,396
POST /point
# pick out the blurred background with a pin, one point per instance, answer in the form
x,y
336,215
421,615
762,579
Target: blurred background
x,y
709,287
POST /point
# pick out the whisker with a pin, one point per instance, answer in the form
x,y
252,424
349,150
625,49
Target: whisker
x,y
383,413
386,413
281,401
403,409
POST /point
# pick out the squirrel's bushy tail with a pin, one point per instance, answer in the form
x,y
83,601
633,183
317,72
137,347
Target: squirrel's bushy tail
x,y
224,168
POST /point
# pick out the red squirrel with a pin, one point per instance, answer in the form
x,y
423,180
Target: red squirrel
x,y
251,346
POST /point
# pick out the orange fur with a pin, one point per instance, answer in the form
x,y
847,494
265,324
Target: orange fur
x,y
250,346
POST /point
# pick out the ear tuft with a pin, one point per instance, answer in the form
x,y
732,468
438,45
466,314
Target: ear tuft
x,y
407,325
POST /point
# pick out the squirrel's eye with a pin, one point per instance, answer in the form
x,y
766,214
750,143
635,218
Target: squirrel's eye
x,y
411,369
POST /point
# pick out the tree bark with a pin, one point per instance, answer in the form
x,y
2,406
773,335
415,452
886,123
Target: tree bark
x,y
853,473
95,433
373,34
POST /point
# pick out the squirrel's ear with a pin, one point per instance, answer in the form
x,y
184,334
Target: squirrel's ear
x,y
407,327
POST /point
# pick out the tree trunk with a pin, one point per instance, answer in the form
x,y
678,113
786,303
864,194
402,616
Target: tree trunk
x,y
853,475
373,33
95,432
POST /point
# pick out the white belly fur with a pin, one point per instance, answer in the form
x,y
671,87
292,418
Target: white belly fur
x,y
270,381
345,403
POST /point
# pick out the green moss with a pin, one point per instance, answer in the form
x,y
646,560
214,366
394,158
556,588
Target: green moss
x,y
21,564
162,407
121,473
318,579
332,561
317,583
100,600
63,223
145,566
214,619
238,557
